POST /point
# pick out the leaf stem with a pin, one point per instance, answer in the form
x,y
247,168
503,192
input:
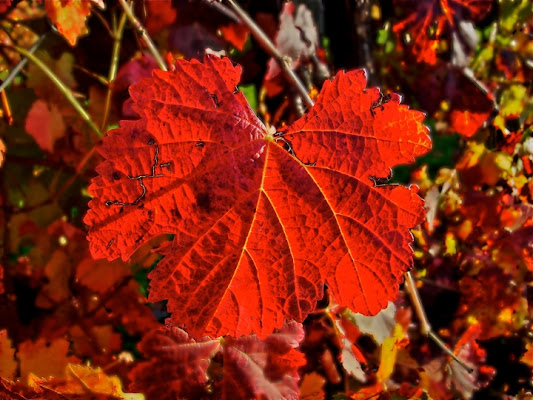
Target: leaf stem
x,y
113,68
60,85
425,327
266,43
144,34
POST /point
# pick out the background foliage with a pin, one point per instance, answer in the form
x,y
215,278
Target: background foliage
x,y
74,327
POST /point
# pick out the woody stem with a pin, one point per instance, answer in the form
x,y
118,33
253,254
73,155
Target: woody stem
x,y
425,327
141,30
270,48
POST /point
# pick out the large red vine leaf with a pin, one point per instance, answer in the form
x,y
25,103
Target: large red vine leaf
x,y
261,221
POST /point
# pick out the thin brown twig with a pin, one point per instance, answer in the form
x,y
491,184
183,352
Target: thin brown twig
x,y
141,30
101,18
425,327
266,43
93,75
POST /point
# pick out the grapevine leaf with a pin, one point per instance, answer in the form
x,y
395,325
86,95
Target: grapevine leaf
x,y
177,366
161,14
45,124
69,16
236,34
261,221
44,359
79,382
312,387
389,350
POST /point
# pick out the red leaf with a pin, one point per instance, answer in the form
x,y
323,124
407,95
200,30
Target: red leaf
x,y
4,5
469,112
160,15
45,124
236,34
177,366
261,222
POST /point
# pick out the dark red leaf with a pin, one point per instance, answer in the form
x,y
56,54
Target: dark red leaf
x,y
177,367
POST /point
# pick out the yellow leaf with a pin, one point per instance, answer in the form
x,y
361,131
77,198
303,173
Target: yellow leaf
x,y
82,380
389,350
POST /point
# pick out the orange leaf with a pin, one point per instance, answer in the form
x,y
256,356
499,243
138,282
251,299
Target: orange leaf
x,y
69,17
312,387
81,380
43,359
8,365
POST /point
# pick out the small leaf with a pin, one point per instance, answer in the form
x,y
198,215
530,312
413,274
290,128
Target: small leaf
x,y
161,14
389,350
312,387
236,34
469,350
81,380
43,359
45,123
177,367
69,17
8,365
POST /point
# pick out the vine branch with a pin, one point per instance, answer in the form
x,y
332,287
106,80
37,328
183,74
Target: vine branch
x,y
425,327
270,48
141,30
